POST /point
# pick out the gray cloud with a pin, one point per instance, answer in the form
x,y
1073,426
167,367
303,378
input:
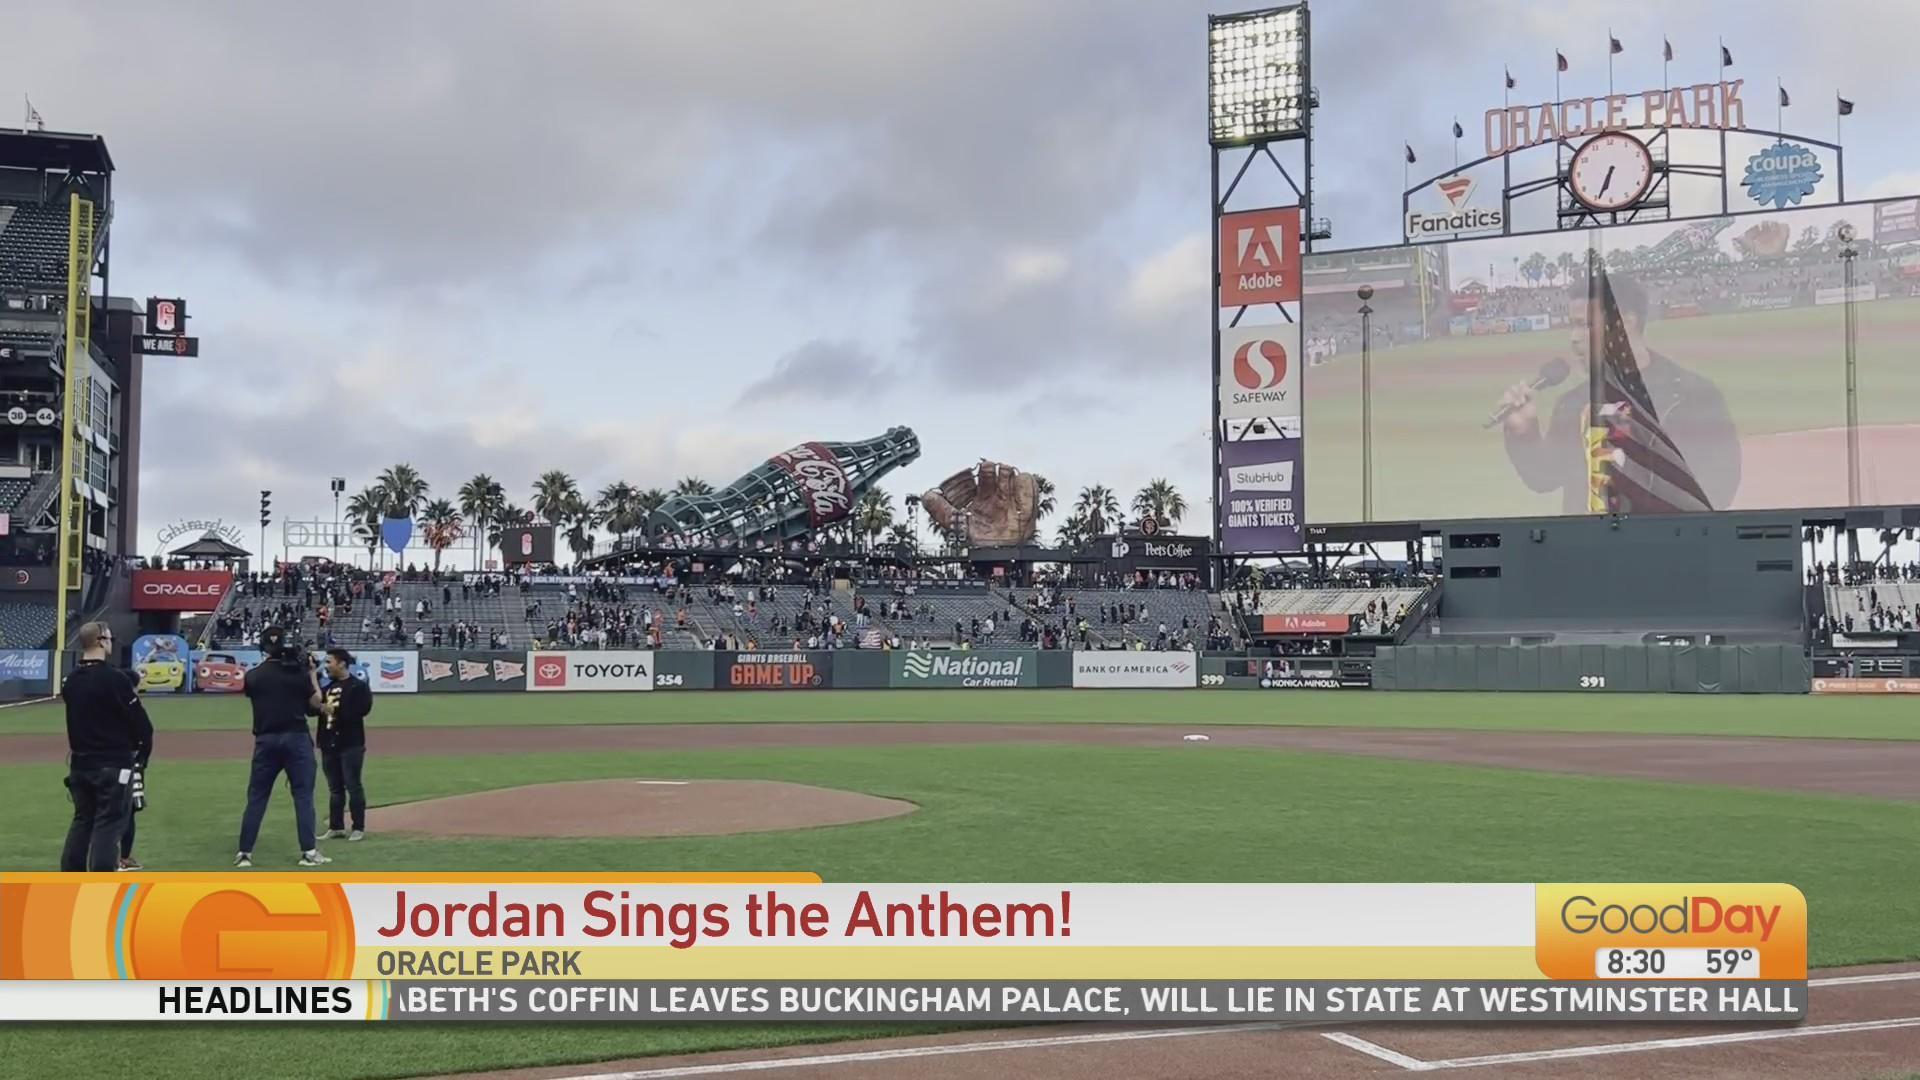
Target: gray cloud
x,y
819,371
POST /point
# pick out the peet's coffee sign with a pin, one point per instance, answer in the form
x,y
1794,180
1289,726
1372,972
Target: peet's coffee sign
x,y
1713,106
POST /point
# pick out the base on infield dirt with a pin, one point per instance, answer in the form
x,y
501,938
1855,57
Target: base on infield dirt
x,y
637,807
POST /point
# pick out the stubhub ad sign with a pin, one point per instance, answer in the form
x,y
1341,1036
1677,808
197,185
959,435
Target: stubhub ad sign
x,y
599,669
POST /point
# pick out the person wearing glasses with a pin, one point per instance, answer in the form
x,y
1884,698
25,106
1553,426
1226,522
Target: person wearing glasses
x,y
108,738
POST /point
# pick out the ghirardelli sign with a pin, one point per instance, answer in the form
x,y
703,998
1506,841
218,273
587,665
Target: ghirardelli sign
x,y
821,480
198,527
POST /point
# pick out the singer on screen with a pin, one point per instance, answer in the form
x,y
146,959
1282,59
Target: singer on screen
x,y
1669,444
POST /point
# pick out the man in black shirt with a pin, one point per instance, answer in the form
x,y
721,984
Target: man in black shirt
x,y
108,736
283,691
343,744
1690,409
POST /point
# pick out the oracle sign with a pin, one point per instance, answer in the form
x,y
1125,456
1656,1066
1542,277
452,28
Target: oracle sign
x,y
179,590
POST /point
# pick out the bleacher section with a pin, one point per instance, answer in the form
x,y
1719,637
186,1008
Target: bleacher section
x,y
1900,599
25,626
25,342
33,246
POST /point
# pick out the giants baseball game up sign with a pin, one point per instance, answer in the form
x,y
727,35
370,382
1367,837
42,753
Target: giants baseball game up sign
x,y
1260,257
821,480
179,590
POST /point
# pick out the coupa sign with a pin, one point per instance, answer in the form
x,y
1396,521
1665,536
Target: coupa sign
x,y
985,669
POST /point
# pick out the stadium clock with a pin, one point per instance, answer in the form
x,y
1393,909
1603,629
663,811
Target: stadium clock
x,y
1610,172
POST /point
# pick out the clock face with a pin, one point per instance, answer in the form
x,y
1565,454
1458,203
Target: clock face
x,y
1611,172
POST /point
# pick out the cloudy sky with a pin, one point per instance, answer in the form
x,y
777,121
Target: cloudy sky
x,y
640,240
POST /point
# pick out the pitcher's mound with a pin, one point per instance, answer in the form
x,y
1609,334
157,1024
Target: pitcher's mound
x,y
639,808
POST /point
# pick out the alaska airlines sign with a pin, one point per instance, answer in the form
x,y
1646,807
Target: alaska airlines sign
x,y
1713,106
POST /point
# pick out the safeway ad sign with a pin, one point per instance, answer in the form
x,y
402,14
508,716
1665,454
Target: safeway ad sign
x,y
1260,257
179,590
610,669
1260,372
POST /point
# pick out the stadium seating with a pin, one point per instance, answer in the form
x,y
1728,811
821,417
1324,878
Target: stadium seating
x,y
25,626
33,245
11,492
1901,598
26,341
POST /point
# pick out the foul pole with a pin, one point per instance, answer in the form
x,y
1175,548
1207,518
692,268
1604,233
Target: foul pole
x,y
79,333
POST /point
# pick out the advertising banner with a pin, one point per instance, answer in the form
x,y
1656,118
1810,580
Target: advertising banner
x,y
1862,292
1262,487
386,672
527,544
1281,673
179,590
773,670
599,669
160,664
1866,686
1260,371
448,671
24,665
1897,221
223,672
978,670
1135,670
27,578
1260,257
1306,624
822,481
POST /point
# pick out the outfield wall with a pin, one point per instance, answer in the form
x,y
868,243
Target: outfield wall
x,y
1711,669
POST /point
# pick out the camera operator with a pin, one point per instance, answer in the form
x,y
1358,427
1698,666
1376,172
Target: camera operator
x,y
283,691
108,737
343,744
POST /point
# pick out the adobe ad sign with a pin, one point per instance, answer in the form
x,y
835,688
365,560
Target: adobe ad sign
x,y
179,590
1262,491
1260,257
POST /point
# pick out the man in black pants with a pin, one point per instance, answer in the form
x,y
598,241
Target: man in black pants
x,y
108,734
343,745
283,691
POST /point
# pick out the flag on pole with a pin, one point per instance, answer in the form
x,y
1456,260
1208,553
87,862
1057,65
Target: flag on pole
x,y
34,119
1666,50
1559,60
1458,131
1846,107
1510,83
1614,47
1410,158
1784,99
1726,57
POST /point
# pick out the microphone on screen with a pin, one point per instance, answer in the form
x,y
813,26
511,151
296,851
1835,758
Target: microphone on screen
x,y
1552,373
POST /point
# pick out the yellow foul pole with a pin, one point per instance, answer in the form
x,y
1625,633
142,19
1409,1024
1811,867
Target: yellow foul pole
x,y
79,332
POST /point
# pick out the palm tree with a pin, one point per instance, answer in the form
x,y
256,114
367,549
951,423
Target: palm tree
x,y
692,485
900,536
1072,533
551,494
406,490
1097,507
1043,497
617,503
873,514
366,510
1161,501
579,517
481,499
442,526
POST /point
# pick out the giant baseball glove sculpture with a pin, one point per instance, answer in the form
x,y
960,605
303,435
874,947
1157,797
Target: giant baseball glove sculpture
x,y
993,503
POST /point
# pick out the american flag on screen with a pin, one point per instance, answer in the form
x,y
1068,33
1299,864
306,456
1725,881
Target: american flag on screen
x,y
1633,465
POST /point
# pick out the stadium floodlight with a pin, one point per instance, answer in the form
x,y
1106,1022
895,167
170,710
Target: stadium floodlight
x,y
1256,81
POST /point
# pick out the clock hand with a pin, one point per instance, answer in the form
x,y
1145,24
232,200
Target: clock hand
x,y
1608,182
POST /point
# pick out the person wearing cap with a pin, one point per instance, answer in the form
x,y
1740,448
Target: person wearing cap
x,y
343,745
108,737
283,690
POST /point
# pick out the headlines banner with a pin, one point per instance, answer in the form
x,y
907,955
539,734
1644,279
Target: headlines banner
x,y
674,948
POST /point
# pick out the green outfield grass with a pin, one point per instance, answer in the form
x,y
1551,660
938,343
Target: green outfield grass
x,y
1661,714
1001,813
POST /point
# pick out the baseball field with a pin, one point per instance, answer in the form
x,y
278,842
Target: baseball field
x,y
1782,374
1064,786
